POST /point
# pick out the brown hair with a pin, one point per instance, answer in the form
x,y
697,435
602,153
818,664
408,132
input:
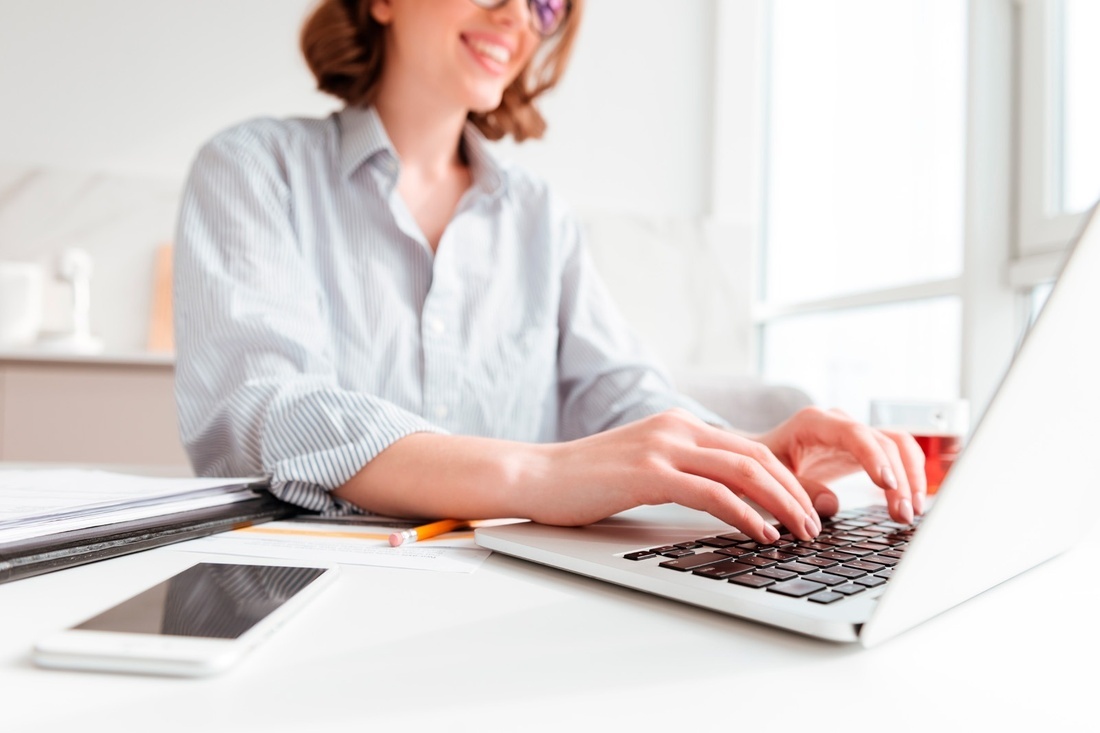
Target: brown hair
x,y
344,48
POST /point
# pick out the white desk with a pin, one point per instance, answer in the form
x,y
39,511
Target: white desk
x,y
518,647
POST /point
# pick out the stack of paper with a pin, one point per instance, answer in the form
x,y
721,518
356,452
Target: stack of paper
x,y
58,518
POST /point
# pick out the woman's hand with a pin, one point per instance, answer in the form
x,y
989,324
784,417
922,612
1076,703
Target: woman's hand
x,y
819,446
673,457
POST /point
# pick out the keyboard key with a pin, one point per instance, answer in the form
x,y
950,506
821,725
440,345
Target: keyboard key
x,y
826,597
838,556
849,589
853,550
677,553
869,567
662,548
642,555
733,551
799,588
872,546
847,572
690,545
776,573
882,560
724,570
752,581
760,562
800,567
736,537
887,573
691,562
821,562
716,542
777,555
826,579
870,581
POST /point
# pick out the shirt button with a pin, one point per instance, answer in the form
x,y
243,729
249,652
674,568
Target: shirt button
x,y
436,325
441,411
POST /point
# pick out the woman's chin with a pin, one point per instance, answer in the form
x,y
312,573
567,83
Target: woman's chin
x,y
483,103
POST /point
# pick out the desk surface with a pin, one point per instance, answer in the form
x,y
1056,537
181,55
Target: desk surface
x,y
515,646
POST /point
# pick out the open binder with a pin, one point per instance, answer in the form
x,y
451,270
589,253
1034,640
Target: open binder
x,y
50,520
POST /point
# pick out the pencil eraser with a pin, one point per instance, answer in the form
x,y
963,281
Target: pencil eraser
x,y
396,539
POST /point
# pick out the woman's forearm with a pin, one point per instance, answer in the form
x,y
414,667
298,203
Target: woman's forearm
x,y
464,477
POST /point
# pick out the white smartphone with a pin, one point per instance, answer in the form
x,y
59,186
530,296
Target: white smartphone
x,y
196,623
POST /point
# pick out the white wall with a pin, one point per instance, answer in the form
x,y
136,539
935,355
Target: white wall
x,y
134,87
128,89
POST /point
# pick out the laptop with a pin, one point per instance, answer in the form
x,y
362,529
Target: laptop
x,y
1028,467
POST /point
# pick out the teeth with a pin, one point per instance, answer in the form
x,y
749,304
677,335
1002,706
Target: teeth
x,y
491,50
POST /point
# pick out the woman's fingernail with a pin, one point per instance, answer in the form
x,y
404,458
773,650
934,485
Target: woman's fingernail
x,y
811,527
771,534
918,502
905,509
888,478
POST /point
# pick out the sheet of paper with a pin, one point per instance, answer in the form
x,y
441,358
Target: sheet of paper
x,y
349,543
28,493
36,503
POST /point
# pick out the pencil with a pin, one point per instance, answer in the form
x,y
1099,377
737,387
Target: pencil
x,y
426,531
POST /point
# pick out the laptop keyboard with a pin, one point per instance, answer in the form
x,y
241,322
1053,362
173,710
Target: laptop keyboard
x,y
856,550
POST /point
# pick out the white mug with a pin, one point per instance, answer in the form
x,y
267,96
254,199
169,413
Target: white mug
x,y
21,286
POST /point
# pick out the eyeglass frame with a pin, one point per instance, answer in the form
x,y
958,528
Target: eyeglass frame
x,y
532,8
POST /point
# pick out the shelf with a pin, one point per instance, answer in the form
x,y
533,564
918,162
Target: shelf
x,y
132,358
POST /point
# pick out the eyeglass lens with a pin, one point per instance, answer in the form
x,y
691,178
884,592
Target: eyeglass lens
x,y
546,15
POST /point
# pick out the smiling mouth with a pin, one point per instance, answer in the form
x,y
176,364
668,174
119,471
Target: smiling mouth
x,y
493,52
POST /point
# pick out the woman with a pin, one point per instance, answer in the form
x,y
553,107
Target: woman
x,y
378,315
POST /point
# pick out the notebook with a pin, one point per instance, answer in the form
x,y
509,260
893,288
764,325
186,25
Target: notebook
x,y
1027,471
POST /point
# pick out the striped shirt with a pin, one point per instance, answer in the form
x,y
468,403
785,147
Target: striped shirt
x,y
315,326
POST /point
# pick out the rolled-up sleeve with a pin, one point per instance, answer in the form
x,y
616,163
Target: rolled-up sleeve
x,y
607,377
256,389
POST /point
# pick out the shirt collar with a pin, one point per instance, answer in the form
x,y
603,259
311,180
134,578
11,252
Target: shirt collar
x,y
363,138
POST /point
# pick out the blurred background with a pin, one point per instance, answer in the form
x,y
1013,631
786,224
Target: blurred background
x,y
862,198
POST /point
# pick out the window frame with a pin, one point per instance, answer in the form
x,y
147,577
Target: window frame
x,y
995,282
1044,232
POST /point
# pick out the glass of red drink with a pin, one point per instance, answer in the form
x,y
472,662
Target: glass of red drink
x,y
939,426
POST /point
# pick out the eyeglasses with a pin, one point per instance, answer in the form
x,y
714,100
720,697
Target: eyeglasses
x,y
547,16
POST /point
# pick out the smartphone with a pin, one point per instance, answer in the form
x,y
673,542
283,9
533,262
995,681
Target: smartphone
x,y
196,623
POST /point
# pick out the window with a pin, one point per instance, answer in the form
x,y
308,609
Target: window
x,y
1080,149
926,164
863,235
1059,116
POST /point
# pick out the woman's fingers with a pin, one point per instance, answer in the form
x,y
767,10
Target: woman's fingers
x,y
900,500
716,499
726,441
757,474
912,458
825,501
879,455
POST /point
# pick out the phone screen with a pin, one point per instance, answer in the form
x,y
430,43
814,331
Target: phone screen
x,y
212,600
